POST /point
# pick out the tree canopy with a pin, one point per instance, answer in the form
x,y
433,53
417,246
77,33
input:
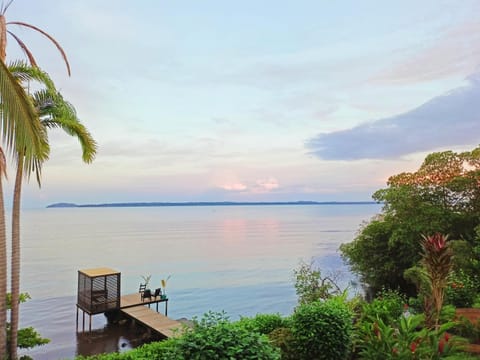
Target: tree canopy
x,y
443,195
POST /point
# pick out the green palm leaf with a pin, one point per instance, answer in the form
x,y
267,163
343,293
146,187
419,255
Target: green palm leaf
x,y
21,127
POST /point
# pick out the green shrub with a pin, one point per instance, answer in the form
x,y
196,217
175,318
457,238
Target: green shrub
x,y
387,306
162,350
461,290
476,302
263,323
322,330
282,338
215,337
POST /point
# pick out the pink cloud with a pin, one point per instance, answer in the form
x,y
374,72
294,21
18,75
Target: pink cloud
x,y
234,187
259,186
265,185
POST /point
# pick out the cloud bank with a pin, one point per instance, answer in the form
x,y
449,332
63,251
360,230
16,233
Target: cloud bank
x,y
449,120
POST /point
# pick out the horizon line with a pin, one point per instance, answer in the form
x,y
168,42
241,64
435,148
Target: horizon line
x,y
209,203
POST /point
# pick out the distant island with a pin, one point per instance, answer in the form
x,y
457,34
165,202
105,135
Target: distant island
x,y
209,203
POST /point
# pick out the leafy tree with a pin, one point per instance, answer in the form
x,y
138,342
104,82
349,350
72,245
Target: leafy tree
x,y
441,196
311,286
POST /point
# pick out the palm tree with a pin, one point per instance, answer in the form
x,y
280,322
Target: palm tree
x,y
53,112
20,128
28,159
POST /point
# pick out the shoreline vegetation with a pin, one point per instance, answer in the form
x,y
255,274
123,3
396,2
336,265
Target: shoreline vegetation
x,y
419,259
210,203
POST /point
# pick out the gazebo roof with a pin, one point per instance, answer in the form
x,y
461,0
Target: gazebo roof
x,y
102,271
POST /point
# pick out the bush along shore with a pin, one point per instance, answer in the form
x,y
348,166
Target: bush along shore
x,y
418,262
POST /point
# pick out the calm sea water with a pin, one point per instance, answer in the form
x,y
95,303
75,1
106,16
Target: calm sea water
x,y
233,258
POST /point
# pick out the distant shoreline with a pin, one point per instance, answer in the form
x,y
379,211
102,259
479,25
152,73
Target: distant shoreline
x,y
209,203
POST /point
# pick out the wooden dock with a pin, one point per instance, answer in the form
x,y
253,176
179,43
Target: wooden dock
x,y
139,310
136,309
153,320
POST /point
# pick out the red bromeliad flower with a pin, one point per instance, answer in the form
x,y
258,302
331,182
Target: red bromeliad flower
x,y
413,347
441,346
437,241
447,337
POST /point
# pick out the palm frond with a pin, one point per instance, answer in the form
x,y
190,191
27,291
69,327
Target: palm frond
x,y
60,49
24,72
52,111
62,115
55,112
21,127
25,49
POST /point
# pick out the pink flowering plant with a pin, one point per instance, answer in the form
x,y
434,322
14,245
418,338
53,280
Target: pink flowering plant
x,y
437,262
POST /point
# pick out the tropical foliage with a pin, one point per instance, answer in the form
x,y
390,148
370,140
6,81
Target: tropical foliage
x,y
408,339
441,196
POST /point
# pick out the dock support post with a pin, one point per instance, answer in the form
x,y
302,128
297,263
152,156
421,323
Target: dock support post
x,y
166,308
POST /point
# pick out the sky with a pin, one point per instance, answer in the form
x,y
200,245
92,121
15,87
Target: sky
x,y
251,100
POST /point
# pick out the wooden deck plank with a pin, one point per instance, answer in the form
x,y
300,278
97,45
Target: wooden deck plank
x,y
135,300
154,320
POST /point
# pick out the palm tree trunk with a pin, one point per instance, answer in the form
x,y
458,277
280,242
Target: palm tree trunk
x,y
3,234
3,278
3,38
15,285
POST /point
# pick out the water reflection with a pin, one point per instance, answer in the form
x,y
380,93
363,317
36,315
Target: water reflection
x,y
112,338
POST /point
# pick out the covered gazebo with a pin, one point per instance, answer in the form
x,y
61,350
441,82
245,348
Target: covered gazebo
x,y
98,291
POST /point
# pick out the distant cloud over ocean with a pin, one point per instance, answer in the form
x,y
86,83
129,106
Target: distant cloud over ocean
x,y
451,119
259,186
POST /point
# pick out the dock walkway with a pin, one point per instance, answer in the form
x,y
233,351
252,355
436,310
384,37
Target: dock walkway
x,y
133,307
153,320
